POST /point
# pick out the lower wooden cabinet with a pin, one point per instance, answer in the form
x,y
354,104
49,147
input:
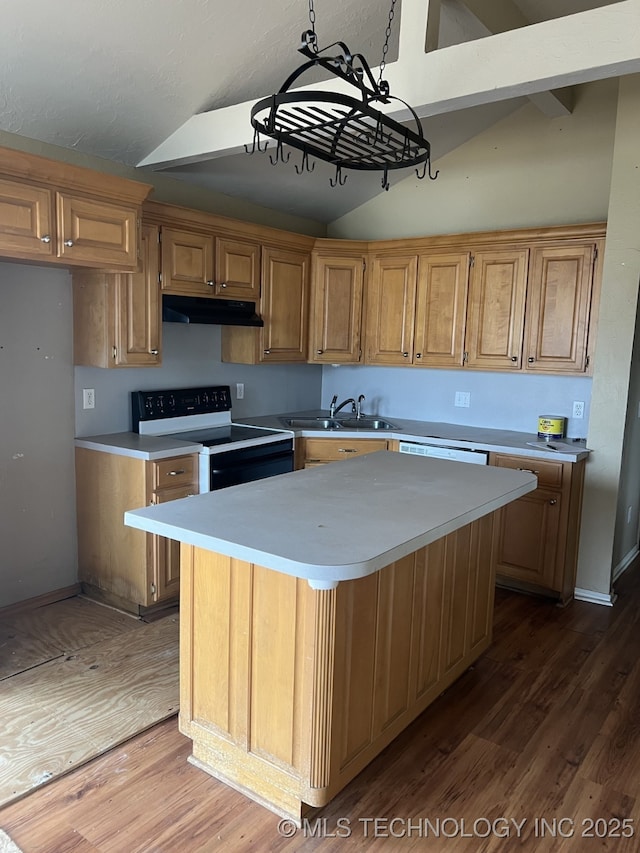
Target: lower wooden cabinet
x,y
317,451
128,568
537,535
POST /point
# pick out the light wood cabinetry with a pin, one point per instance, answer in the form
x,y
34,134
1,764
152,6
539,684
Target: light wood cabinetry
x,y
317,451
391,305
284,305
237,269
537,544
67,215
336,309
116,316
122,566
353,665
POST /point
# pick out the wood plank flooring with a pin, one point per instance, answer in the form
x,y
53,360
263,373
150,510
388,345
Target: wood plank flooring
x,y
79,679
536,749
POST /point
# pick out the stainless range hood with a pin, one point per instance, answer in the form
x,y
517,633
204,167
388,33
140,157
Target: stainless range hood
x,y
201,309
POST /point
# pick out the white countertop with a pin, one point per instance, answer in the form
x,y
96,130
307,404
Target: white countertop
x,y
138,446
340,521
442,434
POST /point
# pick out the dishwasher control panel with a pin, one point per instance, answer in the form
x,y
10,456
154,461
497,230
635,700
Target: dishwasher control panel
x,y
455,454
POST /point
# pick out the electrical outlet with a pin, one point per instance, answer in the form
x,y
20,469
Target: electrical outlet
x,y
239,390
88,398
578,409
463,398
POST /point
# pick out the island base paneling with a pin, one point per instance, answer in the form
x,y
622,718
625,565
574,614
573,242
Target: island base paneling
x,y
289,692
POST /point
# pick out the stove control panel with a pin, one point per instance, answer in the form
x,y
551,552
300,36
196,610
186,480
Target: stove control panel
x,y
158,405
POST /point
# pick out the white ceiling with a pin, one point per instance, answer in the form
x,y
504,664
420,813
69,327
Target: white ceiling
x,y
115,78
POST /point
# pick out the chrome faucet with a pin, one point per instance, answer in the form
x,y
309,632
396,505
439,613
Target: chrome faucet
x,y
361,398
333,409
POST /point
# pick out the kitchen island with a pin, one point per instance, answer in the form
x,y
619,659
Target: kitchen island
x,y
323,610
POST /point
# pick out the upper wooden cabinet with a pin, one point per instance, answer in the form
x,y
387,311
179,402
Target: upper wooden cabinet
x,y
495,316
116,316
336,309
65,214
197,264
391,305
416,310
558,306
284,306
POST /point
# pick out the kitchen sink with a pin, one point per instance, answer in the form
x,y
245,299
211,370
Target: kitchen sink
x,y
365,423
311,423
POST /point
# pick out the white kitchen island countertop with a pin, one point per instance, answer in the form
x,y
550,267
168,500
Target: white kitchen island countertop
x,y
340,521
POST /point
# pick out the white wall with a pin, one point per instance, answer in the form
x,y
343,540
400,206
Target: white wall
x,y
500,401
37,487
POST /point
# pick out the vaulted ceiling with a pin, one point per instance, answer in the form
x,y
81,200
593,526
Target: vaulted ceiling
x,y
124,79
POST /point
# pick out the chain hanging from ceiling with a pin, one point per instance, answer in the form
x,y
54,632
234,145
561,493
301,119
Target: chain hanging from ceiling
x,y
346,131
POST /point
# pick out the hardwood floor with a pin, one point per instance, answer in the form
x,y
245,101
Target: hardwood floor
x,y
535,748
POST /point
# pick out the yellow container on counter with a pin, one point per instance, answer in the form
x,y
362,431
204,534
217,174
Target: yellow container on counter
x,y
551,427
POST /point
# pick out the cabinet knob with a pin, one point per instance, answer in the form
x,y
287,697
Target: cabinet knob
x,y
319,351
223,284
531,359
68,243
175,473
267,352
45,239
514,358
211,283
153,352
418,355
405,355
553,502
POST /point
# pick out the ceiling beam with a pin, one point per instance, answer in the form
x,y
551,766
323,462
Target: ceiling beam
x,y
591,45
502,16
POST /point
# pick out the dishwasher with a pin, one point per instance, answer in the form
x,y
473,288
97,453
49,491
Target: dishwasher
x,y
455,454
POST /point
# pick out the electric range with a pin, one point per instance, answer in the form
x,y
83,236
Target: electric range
x,y
231,453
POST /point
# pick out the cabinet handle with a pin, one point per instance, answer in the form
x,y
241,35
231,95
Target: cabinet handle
x,y
553,502
68,243
405,355
529,471
45,239
223,284
267,352
347,450
418,355
153,352
531,359
211,283
319,351
175,473
514,358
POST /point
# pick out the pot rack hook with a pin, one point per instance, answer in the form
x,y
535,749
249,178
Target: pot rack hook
x,y
279,154
339,178
255,146
426,170
304,165
385,179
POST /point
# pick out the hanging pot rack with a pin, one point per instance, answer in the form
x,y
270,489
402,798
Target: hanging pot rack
x,y
345,131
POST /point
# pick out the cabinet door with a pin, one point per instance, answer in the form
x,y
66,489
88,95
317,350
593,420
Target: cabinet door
x,y
284,305
391,300
137,313
495,319
96,233
440,310
26,220
165,553
528,538
237,269
558,302
337,285
187,262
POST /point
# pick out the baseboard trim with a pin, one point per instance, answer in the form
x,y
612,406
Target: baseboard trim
x,y
606,599
41,600
624,564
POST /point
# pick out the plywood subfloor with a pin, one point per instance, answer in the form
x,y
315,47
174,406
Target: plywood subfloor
x,y
86,679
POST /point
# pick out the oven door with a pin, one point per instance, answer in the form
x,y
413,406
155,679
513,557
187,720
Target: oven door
x,y
232,467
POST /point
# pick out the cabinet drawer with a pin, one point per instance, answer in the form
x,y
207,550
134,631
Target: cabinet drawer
x,y
548,473
333,449
174,472
163,496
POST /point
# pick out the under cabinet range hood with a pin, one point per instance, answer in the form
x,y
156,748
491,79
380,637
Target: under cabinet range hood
x,y
202,309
